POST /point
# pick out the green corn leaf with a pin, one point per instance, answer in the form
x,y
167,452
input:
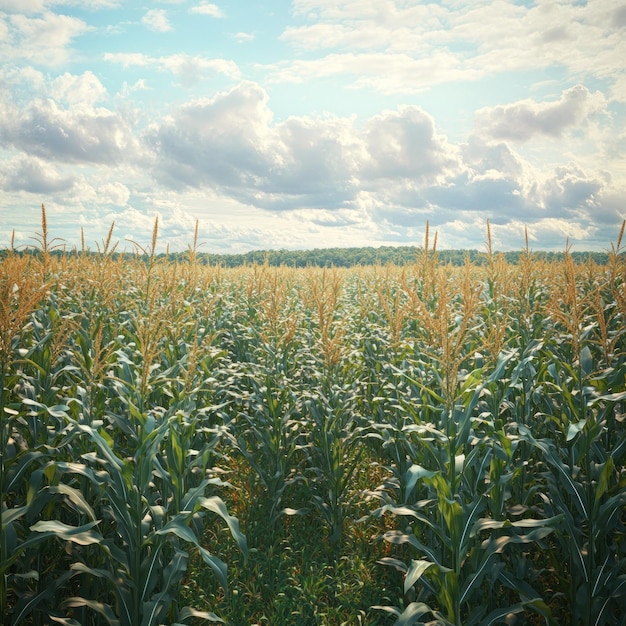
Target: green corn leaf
x,y
449,592
574,428
413,474
398,537
499,370
103,446
550,454
34,403
25,606
412,614
96,572
467,525
217,505
501,616
619,592
187,612
414,573
395,563
178,527
75,497
172,574
82,535
66,621
476,577
19,466
608,468
150,567
119,586
618,396
10,515
59,410
152,609
217,565
610,512
99,607
80,469
586,361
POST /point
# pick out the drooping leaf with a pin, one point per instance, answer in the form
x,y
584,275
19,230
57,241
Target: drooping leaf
x,y
82,535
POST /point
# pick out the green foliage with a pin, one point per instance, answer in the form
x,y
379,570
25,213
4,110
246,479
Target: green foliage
x,y
418,443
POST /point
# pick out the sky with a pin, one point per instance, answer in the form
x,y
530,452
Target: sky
x,y
313,123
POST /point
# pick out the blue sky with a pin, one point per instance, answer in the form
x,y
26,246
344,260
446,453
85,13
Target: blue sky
x,y
314,123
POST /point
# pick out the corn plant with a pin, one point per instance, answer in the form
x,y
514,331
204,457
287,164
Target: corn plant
x,y
334,452
447,519
269,436
583,483
480,407
143,559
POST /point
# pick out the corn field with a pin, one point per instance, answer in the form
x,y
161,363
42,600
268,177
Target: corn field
x,y
421,444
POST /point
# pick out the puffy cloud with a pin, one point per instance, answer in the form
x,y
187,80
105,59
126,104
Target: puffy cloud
x,y
242,37
405,144
187,68
388,73
488,157
116,194
619,17
222,140
231,142
156,20
207,8
432,43
523,120
85,89
569,189
497,197
129,59
395,168
78,135
34,176
42,40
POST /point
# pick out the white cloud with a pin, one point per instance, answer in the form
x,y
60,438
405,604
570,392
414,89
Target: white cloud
x,y
23,79
23,6
33,175
618,90
221,140
129,59
188,69
570,188
85,89
403,74
321,179
116,194
242,37
156,20
80,135
126,89
386,73
42,40
405,144
446,43
396,168
300,162
207,8
523,120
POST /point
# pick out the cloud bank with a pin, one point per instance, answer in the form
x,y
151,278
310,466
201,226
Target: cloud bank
x,y
400,113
